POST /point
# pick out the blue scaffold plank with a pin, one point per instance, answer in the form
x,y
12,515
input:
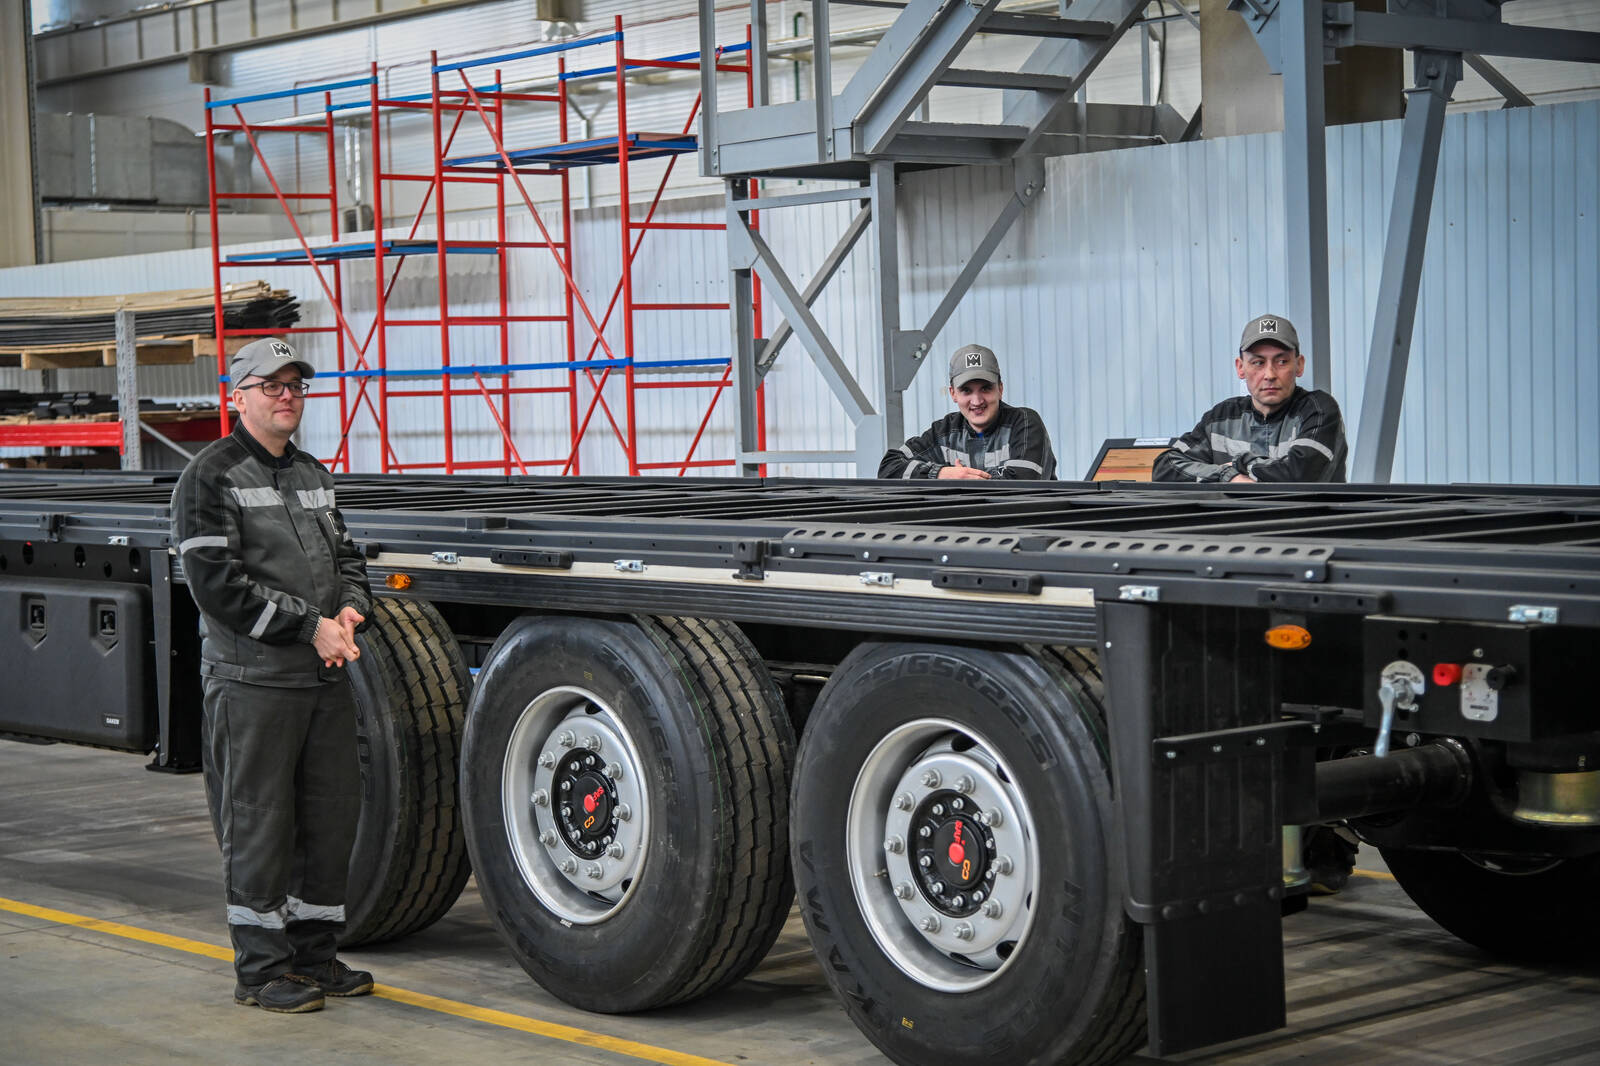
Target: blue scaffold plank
x,y
506,57
361,250
590,153
644,64
303,90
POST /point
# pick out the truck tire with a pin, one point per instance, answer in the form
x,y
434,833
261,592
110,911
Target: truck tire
x,y
1024,955
670,878
1527,910
409,862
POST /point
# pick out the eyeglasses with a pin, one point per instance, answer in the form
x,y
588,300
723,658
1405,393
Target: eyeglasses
x,y
274,388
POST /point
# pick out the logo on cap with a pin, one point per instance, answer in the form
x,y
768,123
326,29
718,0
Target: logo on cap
x,y
282,350
974,359
1269,325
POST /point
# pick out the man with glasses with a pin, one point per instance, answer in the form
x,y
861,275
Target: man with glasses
x,y
282,590
1279,432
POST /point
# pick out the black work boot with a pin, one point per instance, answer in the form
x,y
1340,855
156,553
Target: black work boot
x,y
287,994
334,978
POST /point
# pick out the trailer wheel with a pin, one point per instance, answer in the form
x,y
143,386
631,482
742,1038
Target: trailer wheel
x,y
409,862
626,792
953,857
1529,910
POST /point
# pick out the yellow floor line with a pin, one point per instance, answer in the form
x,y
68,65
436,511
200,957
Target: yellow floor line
x,y
488,1016
1378,875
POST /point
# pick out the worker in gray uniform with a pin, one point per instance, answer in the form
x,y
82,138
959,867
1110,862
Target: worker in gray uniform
x,y
982,438
281,589
1279,432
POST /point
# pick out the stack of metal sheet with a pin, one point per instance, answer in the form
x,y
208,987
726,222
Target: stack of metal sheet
x,y
38,322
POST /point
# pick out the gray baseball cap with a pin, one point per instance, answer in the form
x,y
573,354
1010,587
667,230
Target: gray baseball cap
x,y
264,358
972,361
1270,328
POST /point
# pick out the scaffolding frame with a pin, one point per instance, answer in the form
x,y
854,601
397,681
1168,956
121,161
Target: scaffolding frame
x,y
365,360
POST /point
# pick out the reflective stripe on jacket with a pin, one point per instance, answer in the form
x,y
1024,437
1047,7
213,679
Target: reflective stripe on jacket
x,y
1017,446
1303,440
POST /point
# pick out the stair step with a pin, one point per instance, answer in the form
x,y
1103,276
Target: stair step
x,y
870,3
1045,26
970,130
1005,79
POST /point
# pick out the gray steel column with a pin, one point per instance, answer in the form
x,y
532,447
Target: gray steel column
x,y
20,237
709,164
1305,182
128,390
1436,76
741,297
886,260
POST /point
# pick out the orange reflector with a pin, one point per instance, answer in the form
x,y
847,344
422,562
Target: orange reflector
x,y
1289,637
403,581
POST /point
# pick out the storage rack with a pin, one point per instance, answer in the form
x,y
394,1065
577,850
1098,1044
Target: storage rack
x,y
363,361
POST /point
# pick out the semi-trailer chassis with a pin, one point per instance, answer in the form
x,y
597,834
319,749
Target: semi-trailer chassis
x,y
1025,753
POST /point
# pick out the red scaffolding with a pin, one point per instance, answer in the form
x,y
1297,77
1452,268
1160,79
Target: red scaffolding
x,y
363,360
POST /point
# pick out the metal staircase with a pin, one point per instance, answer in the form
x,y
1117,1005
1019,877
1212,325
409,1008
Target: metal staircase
x,y
877,126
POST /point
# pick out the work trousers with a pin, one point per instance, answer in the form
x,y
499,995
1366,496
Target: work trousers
x,y
284,787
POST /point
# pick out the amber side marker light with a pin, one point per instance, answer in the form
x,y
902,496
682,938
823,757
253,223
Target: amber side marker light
x,y
1289,637
403,581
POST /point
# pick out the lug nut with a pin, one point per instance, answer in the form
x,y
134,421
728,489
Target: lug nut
x,y
938,808
958,901
566,812
588,760
963,931
566,786
958,804
977,895
894,845
928,924
595,871
993,816
614,771
904,801
924,862
992,909
548,838
569,866
930,779
566,739
547,760
938,888
592,742
624,812
904,890
924,832
541,798
1004,864
615,851
965,785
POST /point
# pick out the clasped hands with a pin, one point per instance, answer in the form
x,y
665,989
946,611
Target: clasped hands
x,y
336,637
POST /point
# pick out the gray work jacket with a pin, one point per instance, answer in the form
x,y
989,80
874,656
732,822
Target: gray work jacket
x,y
266,556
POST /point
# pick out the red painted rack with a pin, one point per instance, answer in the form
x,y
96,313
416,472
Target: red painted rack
x,y
364,360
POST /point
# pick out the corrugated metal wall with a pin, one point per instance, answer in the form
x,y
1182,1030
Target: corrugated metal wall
x,y
1115,303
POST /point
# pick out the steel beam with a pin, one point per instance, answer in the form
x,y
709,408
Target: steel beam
x,y
710,163
886,264
1436,77
1461,35
128,390
917,72
1305,182
830,266
744,240
1501,84
746,379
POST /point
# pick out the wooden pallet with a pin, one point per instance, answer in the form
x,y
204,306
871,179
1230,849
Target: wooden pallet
x,y
150,351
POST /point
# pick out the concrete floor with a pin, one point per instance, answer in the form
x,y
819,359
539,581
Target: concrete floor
x,y
111,934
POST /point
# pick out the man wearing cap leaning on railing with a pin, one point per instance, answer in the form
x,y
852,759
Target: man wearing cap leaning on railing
x,y
1279,432
983,438
281,589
